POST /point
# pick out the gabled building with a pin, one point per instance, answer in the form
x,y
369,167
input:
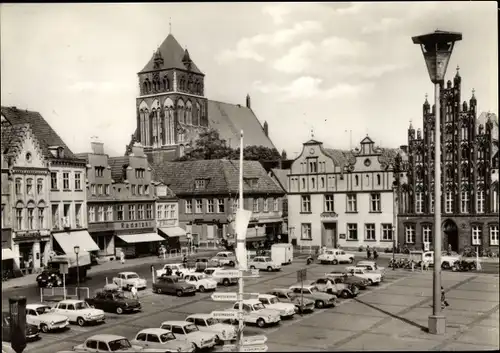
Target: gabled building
x,y
342,198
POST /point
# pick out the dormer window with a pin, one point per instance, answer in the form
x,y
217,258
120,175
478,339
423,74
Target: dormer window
x,y
99,171
200,184
139,173
252,182
57,151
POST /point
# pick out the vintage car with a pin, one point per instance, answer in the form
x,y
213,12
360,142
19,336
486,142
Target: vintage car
x,y
225,258
206,323
372,277
203,263
127,280
370,266
335,256
178,269
217,275
49,278
201,281
284,295
254,312
321,299
188,331
286,310
78,311
42,317
173,285
114,302
338,288
161,339
32,332
264,263
447,259
111,343
349,279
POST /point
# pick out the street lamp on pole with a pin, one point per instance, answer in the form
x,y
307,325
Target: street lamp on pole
x,y
396,170
437,48
77,251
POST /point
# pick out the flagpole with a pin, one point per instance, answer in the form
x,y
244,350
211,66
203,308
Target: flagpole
x,y
240,250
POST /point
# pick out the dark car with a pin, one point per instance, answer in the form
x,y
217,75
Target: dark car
x,y
349,279
173,285
49,278
114,302
32,332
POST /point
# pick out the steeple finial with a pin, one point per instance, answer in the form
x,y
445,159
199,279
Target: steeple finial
x,y
426,95
458,69
473,91
312,134
170,25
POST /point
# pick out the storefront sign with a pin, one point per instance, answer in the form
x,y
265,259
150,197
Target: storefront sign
x,y
166,222
329,214
134,225
32,234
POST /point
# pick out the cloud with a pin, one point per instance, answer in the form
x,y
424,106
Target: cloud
x,y
92,86
251,48
277,12
385,24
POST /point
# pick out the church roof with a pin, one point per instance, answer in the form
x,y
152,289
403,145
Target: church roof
x,y
367,139
230,119
341,158
172,53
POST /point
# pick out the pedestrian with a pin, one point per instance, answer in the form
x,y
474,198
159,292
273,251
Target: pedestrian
x,y
368,252
449,250
375,254
122,257
133,291
444,302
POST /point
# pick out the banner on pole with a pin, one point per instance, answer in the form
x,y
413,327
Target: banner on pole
x,y
241,225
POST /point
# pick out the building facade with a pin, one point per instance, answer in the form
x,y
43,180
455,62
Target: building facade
x,y
167,216
469,182
342,198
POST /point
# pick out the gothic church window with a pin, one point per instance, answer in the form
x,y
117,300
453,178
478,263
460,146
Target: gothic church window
x,y
189,112
180,111
196,117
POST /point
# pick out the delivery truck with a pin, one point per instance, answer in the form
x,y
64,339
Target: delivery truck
x,y
282,253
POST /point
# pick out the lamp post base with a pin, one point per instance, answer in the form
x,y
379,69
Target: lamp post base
x,y
437,324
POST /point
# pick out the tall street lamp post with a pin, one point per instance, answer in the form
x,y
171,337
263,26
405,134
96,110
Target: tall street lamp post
x,y
77,251
396,170
437,48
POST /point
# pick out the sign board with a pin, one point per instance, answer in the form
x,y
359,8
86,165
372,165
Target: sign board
x,y
251,273
225,297
254,340
63,268
301,275
254,348
227,273
225,315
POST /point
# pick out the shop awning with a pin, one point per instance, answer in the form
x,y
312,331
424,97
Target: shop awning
x,y
173,232
140,238
8,254
82,238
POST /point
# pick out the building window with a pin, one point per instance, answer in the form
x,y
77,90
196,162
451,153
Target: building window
x,y
465,202
159,211
220,205
306,233
173,209
92,214
351,203
303,183
99,171
131,212
386,232
313,166
19,218
432,202
19,186
410,234
31,218
378,179
199,184
109,212
329,205
306,203
494,202
166,212
199,206
494,235
146,189
189,206
449,202
419,202
55,216
427,234
99,189
78,181
132,189
322,182
39,186
78,215
119,212
375,203
53,180
352,231
140,212
92,189
235,205
276,204
356,180
255,206
476,235
107,189
139,189
66,181
41,218
210,206
480,201
100,214
139,173
266,204
370,231
29,186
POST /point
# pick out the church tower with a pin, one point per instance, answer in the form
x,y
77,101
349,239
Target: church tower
x,y
171,106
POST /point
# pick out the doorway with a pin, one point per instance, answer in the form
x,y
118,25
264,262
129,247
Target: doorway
x,y
451,231
329,238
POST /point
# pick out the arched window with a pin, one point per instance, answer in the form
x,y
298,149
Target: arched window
x,y
144,87
41,215
322,182
303,183
168,107
149,85
378,179
196,117
494,198
313,183
189,112
31,215
356,180
166,83
180,111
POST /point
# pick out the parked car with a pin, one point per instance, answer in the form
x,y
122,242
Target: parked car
x,y
254,312
111,343
201,281
225,258
161,339
173,285
49,278
447,261
338,288
349,278
32,332
218,276
42,317
114,302
203,263
188,331
286,310
264,263
321,299
371,266
178,269
372,277
127,280
79,311
285,295
335,256
206,323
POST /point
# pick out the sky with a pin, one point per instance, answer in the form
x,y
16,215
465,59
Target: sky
x,y
323,70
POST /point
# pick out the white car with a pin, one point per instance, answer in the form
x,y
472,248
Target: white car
x,y
161,339
44,318
201,281
206,323
112,343
335,256
264,263
225,258
447,261
127,280
254,312
218,276
188,331
78,311
371,266
286,310
178,269
372,277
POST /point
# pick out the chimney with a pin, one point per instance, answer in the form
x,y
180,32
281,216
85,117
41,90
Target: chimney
x,y
266,129
97,147
404,148
137,150
249,103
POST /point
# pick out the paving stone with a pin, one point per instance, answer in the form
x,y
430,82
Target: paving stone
x,y
378,342
480,335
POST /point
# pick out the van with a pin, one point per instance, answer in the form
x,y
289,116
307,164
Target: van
x,y
282,253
